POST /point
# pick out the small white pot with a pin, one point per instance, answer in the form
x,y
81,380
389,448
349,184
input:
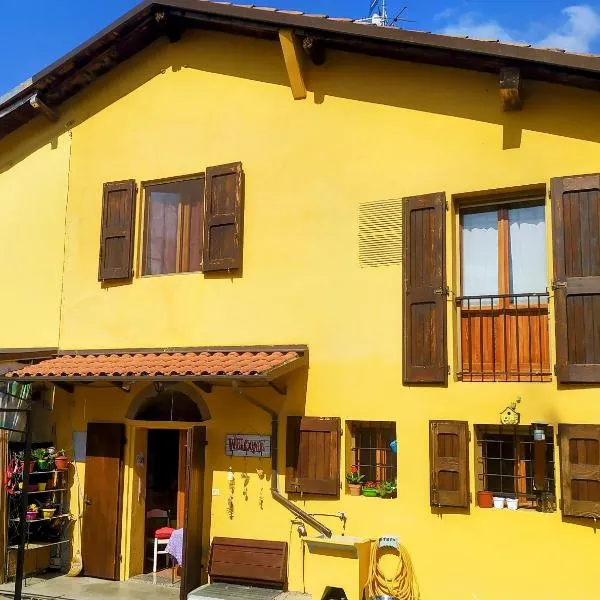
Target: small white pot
x,y
498,502
512,503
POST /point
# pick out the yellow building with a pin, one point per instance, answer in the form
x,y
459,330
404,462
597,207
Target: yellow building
x,y
248,249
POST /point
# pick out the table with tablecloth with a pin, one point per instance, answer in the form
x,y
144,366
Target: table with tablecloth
x,y
175,546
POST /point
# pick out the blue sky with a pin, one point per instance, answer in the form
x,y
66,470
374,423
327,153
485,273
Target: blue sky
x,y
33,33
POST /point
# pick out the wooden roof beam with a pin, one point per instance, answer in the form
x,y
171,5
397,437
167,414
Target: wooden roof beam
x,y
293,58
40,106
510,88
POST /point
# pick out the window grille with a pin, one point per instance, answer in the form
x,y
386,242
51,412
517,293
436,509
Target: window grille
x,y
371,451
513,465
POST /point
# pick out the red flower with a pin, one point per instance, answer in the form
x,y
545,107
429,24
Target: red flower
x,y
353,469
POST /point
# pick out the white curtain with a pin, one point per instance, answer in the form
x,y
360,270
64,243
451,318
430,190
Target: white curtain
x,y
527,229
480,253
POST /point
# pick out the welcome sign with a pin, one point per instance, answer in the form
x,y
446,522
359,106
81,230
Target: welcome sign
x,y
242,444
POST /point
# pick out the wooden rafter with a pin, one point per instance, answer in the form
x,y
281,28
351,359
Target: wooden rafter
x,y
293,57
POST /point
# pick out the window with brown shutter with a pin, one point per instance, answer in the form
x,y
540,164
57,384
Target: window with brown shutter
x,y
173,223
449,463
425,292
580,470
117,230
503,302
223,216
313,455
576,237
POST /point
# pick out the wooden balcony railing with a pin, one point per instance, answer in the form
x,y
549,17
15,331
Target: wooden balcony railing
x,y
504,337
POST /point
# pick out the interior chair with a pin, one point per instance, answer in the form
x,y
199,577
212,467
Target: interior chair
x,y
158,535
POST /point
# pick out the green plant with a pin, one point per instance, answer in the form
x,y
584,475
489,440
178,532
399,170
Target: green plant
x,y
39,454
387,489
354,476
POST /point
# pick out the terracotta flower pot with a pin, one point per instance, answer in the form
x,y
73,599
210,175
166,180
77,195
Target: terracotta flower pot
x,y
61,463
355,489
485,499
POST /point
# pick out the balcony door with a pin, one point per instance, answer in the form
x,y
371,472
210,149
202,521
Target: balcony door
x,y
504,299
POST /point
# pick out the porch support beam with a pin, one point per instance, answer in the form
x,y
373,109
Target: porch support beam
x,y
124,386
292,56
280,389
43,108
66,387
204,386
510,88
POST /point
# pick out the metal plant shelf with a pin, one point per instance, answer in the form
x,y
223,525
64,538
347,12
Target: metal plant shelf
x,y
37,545
43,519
43,491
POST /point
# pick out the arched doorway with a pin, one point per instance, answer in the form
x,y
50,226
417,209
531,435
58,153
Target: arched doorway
x,y
169,402
164,418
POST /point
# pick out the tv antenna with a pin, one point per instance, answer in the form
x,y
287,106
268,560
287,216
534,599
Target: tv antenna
x,y
378,14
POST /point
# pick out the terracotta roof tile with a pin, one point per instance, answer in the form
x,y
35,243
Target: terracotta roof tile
x,y
160,364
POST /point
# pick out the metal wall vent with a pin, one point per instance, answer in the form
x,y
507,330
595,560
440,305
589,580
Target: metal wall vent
x,y
380,233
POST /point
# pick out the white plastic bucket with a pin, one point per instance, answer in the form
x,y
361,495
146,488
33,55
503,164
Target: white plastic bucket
x,y
512,503
498,502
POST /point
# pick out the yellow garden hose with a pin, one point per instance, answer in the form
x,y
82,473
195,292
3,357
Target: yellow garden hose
x,y
403,585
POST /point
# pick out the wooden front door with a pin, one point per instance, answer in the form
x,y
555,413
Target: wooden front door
x,y
101,537
194,503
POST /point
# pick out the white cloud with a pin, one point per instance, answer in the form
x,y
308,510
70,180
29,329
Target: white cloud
x,y
470,26
578,33
445,14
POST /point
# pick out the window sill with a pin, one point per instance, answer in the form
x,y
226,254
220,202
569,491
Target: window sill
x,y
152,276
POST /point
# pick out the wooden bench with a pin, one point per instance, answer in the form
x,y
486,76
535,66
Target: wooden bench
x,y
258,563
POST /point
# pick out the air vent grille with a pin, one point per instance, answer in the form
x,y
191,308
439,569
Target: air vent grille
x,y
380,233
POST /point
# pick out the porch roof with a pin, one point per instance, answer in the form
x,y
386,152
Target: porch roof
x,y
263,363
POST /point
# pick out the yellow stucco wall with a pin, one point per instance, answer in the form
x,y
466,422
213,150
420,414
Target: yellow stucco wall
x,y
370,129
34,168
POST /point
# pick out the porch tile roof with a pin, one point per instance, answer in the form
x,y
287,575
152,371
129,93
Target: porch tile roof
x,y
159,364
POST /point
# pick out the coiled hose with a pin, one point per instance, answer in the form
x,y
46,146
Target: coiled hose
x,y
403,585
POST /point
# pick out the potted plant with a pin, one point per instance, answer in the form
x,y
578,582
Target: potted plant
x,y
32,512
485,499
370,489
387,489
41,457
61,462
21,459
48,510
354,479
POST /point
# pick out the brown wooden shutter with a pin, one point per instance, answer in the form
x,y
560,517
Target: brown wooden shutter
x,y
425,292
313,455
580,469
117,230
576,238
223,217
449,463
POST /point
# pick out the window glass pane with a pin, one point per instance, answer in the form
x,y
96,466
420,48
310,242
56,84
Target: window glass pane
x,y
480,253
163,216
527,227
174,227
